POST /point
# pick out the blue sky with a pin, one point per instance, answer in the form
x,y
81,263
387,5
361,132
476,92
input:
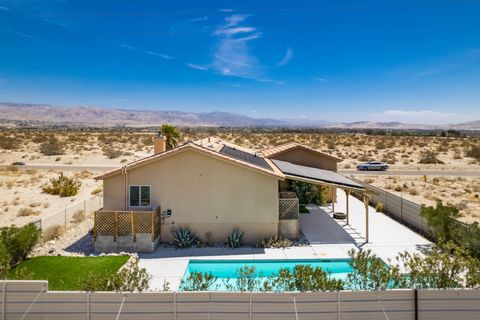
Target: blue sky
x,y
408,61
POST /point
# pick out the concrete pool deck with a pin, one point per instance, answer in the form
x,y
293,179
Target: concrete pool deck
x,y
328,239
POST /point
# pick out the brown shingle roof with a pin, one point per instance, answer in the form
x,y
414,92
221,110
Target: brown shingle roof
x,y
268,153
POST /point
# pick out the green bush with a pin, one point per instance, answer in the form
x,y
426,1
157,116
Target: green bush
x,y
441,219
197,281
370,272
306,278
4,261
130,278
63,186
19,242
184,237
52,147
235,238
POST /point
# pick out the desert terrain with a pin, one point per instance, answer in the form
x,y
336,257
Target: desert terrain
x,y
53,151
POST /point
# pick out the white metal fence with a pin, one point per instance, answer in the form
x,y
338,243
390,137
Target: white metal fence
x,y
68,217
32,300
403,210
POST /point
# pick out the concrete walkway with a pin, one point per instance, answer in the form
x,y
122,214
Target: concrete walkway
x,y
328,239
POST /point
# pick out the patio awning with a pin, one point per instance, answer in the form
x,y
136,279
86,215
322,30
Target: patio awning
x,y
304,173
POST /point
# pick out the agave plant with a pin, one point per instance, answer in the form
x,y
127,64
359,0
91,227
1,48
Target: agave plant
x,y
184,237
235,238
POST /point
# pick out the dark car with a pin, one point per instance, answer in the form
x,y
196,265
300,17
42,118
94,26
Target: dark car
x,y
18,163
372,165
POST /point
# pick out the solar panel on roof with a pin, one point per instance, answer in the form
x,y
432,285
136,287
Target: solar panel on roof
x,y
245,156
315,174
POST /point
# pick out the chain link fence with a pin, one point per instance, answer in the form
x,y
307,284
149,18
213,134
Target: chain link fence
x,y
58,223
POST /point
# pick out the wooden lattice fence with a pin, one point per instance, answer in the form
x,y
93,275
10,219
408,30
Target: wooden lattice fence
x,y
127,223
288,206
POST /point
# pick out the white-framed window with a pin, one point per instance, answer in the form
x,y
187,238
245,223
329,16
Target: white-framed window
x,y
139,196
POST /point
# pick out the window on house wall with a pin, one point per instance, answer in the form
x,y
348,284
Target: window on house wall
x,y
139,196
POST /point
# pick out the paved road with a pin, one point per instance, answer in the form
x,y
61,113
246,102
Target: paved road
x,y
67,167
101,168
456,173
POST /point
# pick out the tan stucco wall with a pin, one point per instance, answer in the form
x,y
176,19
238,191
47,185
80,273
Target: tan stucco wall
x,y
307,158
205,193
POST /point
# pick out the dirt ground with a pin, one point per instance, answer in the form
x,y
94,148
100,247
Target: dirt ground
x,y
460,192
23,188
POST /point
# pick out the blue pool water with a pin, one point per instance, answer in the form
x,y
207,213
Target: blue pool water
x,y
226,270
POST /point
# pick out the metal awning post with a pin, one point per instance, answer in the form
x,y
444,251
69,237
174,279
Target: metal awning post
x,y
333,199
347,194
365,201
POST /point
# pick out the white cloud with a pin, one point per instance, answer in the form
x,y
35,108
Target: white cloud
x,y
226,10
161,55
21,34
4,8
198,67
234,31
320,79
232,53
152,53
235,20
286,58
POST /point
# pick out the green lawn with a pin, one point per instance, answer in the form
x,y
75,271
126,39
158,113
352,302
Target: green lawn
x,y
63,273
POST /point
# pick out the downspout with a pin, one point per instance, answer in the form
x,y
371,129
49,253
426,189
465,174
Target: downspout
x,y
125,195
416,303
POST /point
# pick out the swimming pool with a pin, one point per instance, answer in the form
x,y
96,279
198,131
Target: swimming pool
x,y
226,271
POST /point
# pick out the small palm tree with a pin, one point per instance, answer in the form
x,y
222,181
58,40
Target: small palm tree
x,y
171,134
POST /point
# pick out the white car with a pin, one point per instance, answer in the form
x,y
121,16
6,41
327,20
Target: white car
x,y
372,165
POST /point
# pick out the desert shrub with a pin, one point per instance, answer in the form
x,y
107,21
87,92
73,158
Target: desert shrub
x,y
379,207
129,278
52,147
184,237
235,238
25,212
306,278
63,186
429,157
55,232
8,143
370,272
441,219
78,216
276,242
112,153
197,281
474,152
97,190
19,242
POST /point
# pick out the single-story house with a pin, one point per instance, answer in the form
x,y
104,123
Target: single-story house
x,y
211,186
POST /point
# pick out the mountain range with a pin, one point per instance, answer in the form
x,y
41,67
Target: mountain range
x,y
95,116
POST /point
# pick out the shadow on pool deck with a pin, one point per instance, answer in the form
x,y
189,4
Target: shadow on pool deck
x,y
210,252
320,228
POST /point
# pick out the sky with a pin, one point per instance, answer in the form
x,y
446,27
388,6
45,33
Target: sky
x,y
342,61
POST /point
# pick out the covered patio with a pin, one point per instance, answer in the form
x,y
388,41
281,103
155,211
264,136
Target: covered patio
x,y
332,181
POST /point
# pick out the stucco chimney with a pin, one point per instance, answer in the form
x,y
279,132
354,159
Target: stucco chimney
x,y
159,144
